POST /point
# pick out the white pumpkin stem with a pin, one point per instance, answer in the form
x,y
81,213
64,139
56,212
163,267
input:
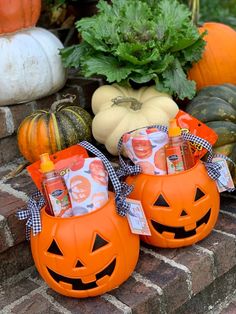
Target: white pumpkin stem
x,y
135,104
55,104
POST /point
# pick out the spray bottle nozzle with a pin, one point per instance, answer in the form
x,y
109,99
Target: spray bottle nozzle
x,y
174,129
46,164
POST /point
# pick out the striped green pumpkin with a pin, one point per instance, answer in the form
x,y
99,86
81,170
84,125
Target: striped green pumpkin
x,y
50,131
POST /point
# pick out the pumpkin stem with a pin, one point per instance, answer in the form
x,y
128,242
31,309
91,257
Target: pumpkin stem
x,y
194,6
135,104
54,106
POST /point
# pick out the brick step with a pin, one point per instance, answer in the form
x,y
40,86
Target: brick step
x,y
11,116
186,280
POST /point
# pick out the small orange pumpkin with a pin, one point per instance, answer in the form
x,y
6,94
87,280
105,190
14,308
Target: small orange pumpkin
x,y
181,208
87,255
49,131
218,63
18,14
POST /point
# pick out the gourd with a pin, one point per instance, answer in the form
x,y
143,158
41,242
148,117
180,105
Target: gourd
x,y
45,131
216,107
218,63
18,14
121,109
30,66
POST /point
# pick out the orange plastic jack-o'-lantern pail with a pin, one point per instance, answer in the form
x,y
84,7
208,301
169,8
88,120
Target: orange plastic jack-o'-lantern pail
x,y
181,208
87,255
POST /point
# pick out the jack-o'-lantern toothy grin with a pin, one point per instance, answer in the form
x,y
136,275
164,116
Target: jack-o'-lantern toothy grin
x,y
180,232
78,284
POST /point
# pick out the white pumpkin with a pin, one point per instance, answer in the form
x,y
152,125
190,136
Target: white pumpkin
x,y
30,65
112,119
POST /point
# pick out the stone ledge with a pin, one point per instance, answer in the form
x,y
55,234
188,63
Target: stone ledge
x,y
164,280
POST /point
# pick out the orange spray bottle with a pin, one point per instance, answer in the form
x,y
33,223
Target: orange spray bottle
x,y
178,152
54,189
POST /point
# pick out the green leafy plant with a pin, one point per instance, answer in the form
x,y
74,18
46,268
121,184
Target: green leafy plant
x,y
139,41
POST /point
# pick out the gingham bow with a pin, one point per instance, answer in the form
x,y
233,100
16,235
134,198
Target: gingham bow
x,y
121,190
127,170
34,204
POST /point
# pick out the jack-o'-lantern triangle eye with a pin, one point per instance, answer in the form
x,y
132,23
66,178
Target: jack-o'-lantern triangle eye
x,y
98,243
161,202
54,249
199,194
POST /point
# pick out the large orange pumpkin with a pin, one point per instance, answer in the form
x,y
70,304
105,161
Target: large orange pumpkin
x,y
86,255
181,208
18,14
218,63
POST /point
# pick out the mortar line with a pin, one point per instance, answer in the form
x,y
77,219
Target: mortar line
x,y
149,284
172,263
228,213
50,299
7,309
117,303
231,235
6,187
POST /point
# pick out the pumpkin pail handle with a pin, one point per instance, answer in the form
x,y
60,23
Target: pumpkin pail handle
x,y
122,190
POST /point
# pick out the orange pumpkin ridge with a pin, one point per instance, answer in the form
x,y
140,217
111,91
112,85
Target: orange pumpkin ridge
x,y
18,14
218,63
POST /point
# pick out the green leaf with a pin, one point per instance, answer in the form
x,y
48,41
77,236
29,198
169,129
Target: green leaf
x,y
106,65
137,53
175,80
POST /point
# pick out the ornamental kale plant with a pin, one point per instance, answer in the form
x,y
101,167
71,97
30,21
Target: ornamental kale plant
x,y
139,41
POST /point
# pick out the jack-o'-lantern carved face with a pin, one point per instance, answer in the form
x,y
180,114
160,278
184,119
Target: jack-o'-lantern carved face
x,y
181,209
87,255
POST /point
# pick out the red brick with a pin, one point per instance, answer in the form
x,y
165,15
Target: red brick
x,y
23,183
8,149
34,304
20,111
16,290
9,204
226,223
6,239
199,263
166,277
14,260
85,306
224,249
230,309
140,299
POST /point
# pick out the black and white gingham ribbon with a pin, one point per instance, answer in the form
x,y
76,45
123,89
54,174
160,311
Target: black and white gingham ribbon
x,y
121,190
32,213
213,168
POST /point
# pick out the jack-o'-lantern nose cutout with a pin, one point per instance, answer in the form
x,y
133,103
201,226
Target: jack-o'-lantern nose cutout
x,y
54,249
98,243
199,194
79,264
161,201
183,213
